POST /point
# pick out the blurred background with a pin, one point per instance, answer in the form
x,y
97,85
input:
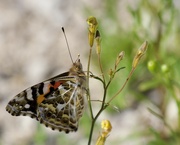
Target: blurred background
x,y
33,49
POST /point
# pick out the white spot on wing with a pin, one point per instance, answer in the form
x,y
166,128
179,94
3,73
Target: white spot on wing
x,y
27,106
45,89
60,106
29,95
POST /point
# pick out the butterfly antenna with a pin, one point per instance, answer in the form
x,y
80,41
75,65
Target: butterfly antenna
x,y
67,44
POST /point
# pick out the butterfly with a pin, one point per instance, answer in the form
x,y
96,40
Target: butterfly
x,y
57,103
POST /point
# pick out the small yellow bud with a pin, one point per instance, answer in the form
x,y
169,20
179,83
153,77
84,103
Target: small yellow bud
x,y
141,51
92,22
106,125
119,58
111,73
106,129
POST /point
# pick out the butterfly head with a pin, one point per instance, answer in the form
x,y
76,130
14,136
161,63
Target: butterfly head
x,y
77,67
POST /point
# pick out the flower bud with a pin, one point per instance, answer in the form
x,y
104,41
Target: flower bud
x,y
141,51
106,129
164,68
92,22
152,66
119,58
98,42
111,73
106,125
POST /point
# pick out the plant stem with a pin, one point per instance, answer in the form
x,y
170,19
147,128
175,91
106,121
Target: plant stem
x,y
91,131
103,106
87,85
93,123
100,65
129,76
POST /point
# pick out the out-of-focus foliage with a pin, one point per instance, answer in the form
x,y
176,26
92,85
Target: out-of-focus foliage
x,y
156,80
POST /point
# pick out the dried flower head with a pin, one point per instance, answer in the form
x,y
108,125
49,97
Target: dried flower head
x,y
92,22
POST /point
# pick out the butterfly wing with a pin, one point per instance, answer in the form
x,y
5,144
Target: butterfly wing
x,y
57,103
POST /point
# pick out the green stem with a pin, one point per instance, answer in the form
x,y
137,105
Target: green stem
x,y
177,102
91,131
87,79
100,65
103,106
93,123
129,76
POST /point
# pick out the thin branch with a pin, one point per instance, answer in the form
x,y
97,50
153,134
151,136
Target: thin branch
x,y
87,79
129,76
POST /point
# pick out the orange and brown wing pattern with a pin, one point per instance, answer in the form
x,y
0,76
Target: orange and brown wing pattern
x,y
57,103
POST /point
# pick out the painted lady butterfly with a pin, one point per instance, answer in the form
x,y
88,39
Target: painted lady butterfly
x,y
57,103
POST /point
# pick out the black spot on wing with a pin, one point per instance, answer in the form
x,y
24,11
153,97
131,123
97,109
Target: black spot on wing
x,y
52,83
34,92
40,90
51,90
32,108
